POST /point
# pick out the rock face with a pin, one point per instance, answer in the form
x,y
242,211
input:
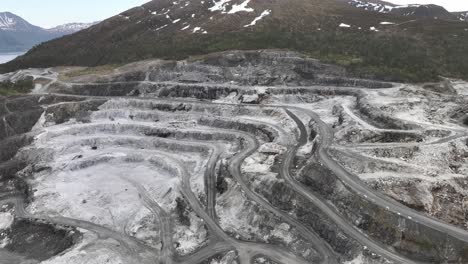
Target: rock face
x,y
236,157
27,239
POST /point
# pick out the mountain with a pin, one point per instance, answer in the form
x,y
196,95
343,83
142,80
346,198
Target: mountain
x,y
383,45
16,34
70,28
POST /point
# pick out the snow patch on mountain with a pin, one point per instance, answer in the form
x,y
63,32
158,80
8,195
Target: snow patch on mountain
x,y
381,8
406,6
241,8
262,15
222,5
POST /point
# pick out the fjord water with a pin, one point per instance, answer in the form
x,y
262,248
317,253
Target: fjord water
x,y
8,56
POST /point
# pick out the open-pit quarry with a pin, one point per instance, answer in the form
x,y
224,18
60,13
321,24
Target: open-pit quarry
x,y
239,157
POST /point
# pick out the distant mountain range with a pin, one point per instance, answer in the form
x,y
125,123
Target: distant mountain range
x,y
70,28
17,34
373,39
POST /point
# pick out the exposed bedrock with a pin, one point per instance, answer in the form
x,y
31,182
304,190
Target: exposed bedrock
x,y
231,158
107,127
444,87
246,220
18,115
373,114
26,239
445,200
263,260
379,118
405,235
242,67
81,111
225,257
96,89
361,164
358,135
370,229
461,115
280,196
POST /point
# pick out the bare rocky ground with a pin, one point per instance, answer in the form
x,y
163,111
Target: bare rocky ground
x,y
239,157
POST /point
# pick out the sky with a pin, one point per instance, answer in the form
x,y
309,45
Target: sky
x,y
450,5
50,13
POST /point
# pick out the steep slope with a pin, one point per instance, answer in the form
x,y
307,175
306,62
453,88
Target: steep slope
x,y
333,30
17,34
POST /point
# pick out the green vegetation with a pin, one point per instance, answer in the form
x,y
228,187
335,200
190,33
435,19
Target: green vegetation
x,y
464,253
423,244
15,88
418,50
104,69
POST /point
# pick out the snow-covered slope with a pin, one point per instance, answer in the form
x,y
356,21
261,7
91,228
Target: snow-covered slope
x,y
70,28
